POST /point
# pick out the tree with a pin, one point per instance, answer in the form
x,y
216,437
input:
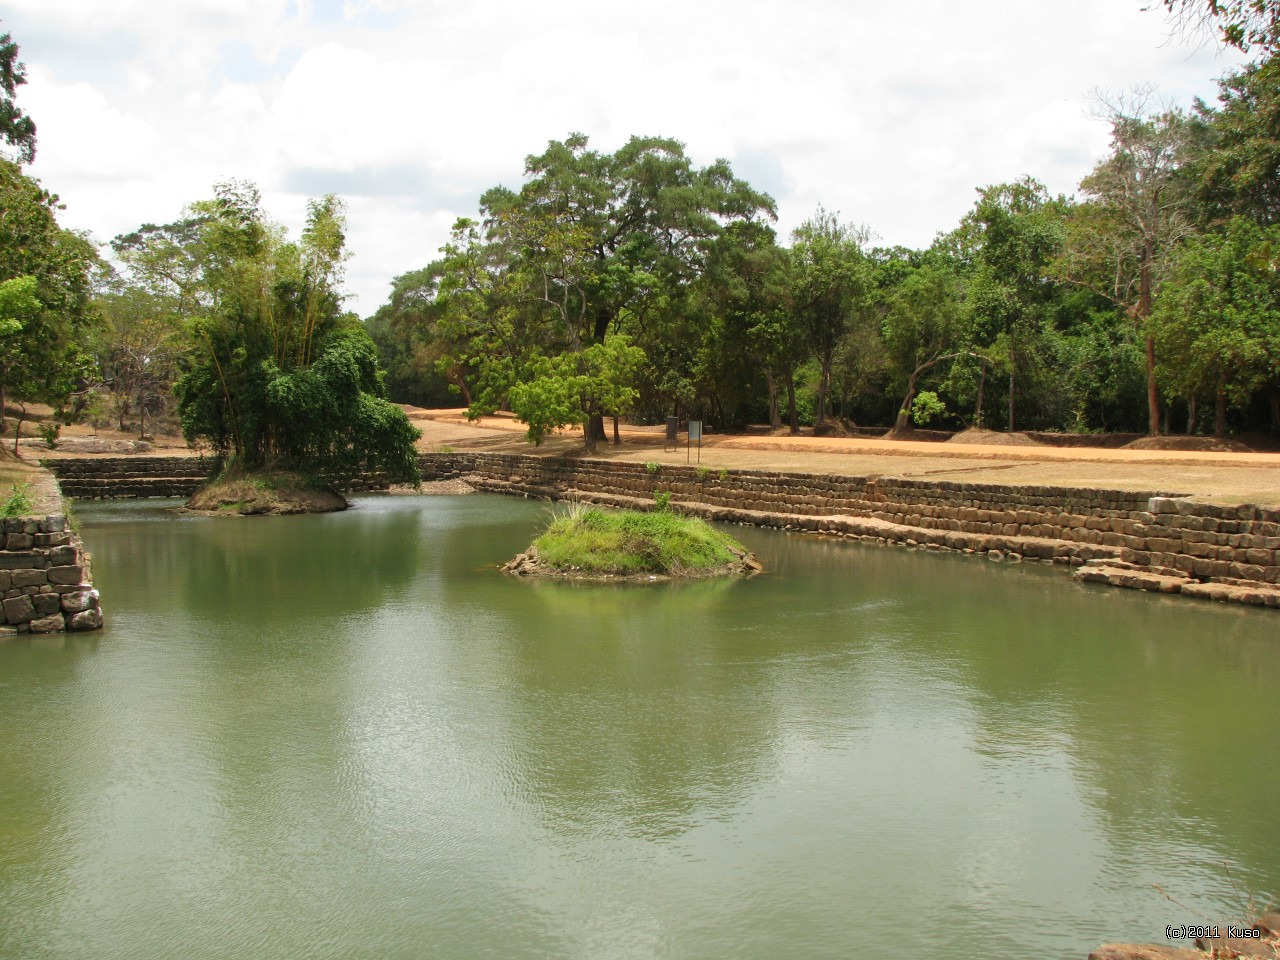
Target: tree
x,y
1242,24
1012,238
571,388
1120,242
1240,174
276,374
45,358
592,244
925,326
832,289
1217,321
16,128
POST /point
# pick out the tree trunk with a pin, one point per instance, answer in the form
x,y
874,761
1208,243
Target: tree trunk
x,y
1220,411
588,436
595,430
824,382
902,424
1275,412
775,420
792,420
982,383
1012,366
1191,414
617,439
1144,311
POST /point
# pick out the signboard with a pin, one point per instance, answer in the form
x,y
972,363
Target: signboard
x,y
695,430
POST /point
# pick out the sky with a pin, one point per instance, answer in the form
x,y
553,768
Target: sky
x,y
890,114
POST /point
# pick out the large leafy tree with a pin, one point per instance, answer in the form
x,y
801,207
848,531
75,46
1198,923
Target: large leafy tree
x,y
44,357
16,128
1011,239
833,290
1217,321
1240,174
277,374
592,244
1140,206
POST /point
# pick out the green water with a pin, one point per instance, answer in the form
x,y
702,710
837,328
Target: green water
x,y
348,736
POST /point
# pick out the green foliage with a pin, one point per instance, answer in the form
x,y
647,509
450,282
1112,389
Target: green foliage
x,y
652,467
49,434
607,542
16,128
1217,322
573,387
662,500
702,473
926,407
19,501
276,375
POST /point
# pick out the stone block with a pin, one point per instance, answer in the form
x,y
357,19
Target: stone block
x,y
69,574
46,604
28,578
20,560
18,541
62,556
79,601
54,623
18,610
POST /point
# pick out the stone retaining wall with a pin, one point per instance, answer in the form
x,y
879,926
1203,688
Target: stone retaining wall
x,y
1180,541
1151,540
117,478
45,577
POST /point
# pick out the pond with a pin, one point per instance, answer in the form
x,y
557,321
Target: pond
x,y
349,736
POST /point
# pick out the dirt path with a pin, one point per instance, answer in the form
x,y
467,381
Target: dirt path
x,y
1215,477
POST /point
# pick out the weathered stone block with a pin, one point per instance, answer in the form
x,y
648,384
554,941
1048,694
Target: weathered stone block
x,y
46,604
69,574
18,541
62,556
54,623
29,578
79,601
18,610
20,560
86,620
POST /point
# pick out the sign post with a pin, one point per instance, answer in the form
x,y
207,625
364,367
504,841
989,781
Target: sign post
x,y
695,433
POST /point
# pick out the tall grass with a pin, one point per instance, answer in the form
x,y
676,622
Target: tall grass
x,y
593,540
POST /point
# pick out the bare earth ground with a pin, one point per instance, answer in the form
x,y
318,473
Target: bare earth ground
x,y
1224,478
1217,477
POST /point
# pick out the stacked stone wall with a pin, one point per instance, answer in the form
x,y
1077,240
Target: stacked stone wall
x,y
1145,529
118,478
46,579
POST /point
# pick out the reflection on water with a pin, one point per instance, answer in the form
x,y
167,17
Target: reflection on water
x,y
349,736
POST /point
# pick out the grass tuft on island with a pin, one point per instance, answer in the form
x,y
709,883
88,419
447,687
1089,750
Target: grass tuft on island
x,y
266,492
587,542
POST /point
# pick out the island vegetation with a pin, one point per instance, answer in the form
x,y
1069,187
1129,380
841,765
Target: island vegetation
x,y
589,542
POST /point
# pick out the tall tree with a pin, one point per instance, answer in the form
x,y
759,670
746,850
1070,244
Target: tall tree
x,y
277,374
1140,206
593,244
46,356
832,289
16,128
1240,174
1013,236
1217,321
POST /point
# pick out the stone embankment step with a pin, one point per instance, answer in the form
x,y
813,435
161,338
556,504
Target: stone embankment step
x,y
109,478
1119,573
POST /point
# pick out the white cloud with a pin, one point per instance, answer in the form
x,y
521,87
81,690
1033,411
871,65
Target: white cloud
x,y
891,115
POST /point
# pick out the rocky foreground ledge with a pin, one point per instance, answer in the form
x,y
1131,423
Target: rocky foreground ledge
x,y
1258,939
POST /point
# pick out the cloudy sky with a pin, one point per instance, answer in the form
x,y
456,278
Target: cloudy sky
x,y
891,114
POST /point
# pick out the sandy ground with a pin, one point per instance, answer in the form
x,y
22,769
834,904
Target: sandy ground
x,y
1215,477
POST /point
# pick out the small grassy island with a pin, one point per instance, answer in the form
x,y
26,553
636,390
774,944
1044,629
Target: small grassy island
x,y
591,543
